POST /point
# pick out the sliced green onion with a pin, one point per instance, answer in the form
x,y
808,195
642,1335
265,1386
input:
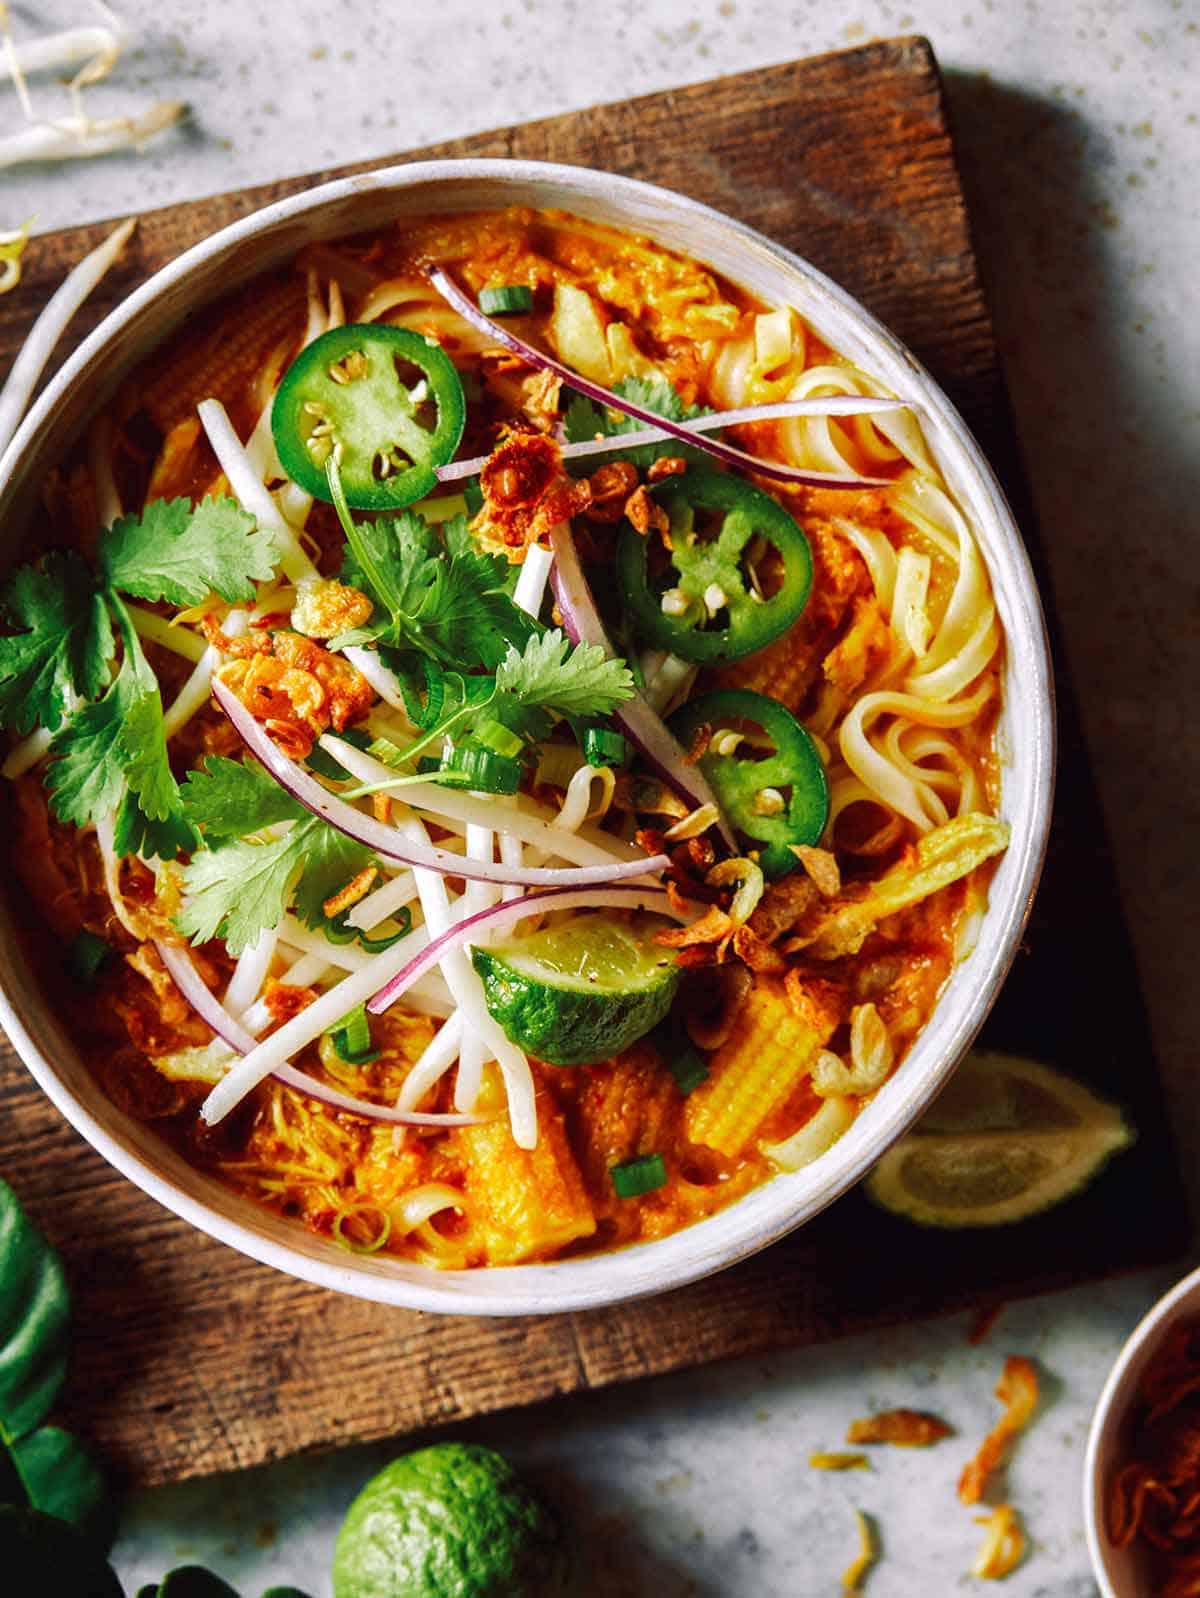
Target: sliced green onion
x,y
352,1038
689,1069
428,764
680,1056
403,918
602,746
339,1237
326,766
483,770
634,1177
337,929
384,750
506,299
85,957
494,735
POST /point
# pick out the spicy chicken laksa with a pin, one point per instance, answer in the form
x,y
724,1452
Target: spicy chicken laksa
x,y
502,735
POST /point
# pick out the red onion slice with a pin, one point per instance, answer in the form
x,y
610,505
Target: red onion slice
x,y
389,841
822,405
183,973
508,912
729,453
641,724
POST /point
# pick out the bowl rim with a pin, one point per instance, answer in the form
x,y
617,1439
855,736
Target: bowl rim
x,y
614,1276
1108,1414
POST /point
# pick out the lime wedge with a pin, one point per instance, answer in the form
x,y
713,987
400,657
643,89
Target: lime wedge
x,y
581,991
1008,1138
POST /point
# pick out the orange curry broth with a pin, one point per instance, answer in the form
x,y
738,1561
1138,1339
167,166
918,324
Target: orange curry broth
x,y
337,1171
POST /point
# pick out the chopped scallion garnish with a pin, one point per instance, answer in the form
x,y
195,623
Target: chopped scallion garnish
x,y
506,300
482,770
403,920
602,746
634,1177
352,1038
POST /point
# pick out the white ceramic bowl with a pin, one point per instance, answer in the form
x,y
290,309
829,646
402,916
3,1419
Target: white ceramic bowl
x,y
269,238
1121,1572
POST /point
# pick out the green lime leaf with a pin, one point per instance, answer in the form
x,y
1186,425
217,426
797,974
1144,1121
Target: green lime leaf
x,y
42,1554
34,1310
61,1478
190,1581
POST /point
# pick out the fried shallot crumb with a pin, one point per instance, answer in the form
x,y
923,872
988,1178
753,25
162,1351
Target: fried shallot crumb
x,y
1017,1390
904,1428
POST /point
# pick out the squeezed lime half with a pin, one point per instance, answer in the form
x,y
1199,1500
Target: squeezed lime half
x,y
1007,1139
581,991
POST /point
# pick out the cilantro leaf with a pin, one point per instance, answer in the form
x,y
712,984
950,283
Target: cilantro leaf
x,y
66,649
137,833
112,755
86,777
572,680
449,601
174,552
232,798
239,889
585,420
330,860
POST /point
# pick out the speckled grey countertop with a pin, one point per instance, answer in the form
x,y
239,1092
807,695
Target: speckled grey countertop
x,y
1079,127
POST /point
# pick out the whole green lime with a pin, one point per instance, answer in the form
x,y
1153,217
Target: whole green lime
x,y
451,1521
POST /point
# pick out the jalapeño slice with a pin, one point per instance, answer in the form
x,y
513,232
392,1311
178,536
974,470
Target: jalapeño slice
x,y
388,400
770,783
703,603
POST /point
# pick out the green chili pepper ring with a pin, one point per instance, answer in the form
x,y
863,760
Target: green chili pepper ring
x,y
390,436
748,790
700,570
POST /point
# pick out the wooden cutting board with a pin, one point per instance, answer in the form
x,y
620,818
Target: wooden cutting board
x,y
190,1358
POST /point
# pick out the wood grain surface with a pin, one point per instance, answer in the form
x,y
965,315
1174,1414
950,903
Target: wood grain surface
x,y
190,1358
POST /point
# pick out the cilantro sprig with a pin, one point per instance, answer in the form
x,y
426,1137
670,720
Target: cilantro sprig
x,y
60,670
440,597
241,884
550,677
586,420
